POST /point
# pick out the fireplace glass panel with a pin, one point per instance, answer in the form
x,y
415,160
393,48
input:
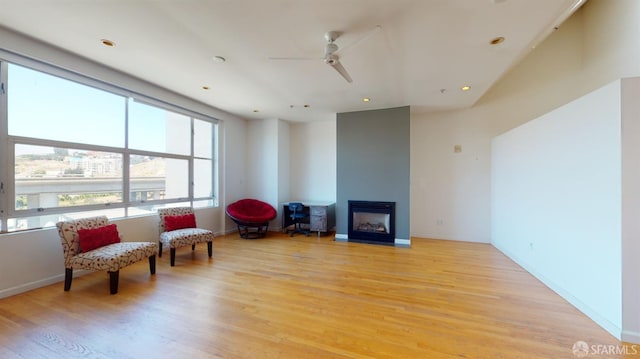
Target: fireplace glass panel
x,y
371,222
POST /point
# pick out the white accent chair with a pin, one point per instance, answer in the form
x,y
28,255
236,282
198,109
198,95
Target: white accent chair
x,y
183,236
110,257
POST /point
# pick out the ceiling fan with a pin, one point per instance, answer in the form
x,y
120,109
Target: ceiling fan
x,y
331,50
330,56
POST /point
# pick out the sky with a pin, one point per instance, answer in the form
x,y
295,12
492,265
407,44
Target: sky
x,y
48,107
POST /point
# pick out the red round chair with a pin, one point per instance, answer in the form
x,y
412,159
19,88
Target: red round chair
x,y
252,217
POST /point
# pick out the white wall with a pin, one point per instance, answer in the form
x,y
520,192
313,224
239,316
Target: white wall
x,y
597,45
450,197
268,163
262,160
313,161
232,166
556,201
284,163
30,260
630,210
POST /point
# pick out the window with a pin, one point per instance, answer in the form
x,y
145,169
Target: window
x,y
155,129
149,181
50,177
76,149
203,159
48,107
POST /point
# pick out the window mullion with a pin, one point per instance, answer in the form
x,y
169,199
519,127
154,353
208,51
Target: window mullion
x,y
126,187
191,162
5,172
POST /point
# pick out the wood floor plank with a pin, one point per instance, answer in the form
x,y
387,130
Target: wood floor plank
x,y
304,297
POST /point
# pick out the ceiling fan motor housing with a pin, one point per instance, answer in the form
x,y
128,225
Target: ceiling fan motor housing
x,y
331,36
331,59
330,49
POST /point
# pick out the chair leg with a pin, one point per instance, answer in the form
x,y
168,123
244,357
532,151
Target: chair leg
x,y
210,248
193,247
68,276
160,249
172,256
113,281
297,228
152,264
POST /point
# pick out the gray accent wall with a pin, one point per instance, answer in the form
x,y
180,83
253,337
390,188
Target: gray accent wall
x,y
373,163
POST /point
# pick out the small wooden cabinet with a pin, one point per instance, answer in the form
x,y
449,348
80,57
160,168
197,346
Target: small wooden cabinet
x,y
322,217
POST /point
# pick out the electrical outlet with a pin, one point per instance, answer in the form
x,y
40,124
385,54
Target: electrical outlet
x,y
439,222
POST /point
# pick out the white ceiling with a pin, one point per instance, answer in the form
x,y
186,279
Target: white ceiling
x,y
424,51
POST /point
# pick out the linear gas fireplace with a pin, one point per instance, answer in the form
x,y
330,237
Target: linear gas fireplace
x,y
373,222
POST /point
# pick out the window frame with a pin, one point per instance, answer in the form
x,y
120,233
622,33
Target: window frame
x,y
8,143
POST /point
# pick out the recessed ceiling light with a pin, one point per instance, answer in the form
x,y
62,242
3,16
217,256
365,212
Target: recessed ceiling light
x,y
307,106
465,88
219,59
205,87
366,99
497,40
107,42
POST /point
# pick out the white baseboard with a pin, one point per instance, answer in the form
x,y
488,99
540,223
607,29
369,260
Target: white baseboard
x,y
234,229
588,311
342,237
223,233
40,283
403,242
631,337
31,286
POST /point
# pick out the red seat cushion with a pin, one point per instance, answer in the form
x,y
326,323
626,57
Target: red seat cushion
x,y
92,238
171,223
251,211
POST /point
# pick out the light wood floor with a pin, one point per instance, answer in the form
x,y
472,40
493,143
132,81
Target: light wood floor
x,y
303,297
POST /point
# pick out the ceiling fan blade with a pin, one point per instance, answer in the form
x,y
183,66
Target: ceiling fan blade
x,y
360,40
342,71
294,58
